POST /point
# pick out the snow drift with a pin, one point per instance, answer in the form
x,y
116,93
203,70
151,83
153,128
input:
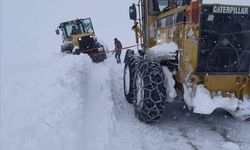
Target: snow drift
x,y
162,51
49,106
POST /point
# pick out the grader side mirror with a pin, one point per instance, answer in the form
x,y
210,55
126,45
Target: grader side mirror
x,y
57,32
132,12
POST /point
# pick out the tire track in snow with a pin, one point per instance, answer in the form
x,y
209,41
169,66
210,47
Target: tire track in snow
x,y
184,134
128,131
223,133
97,109
121,106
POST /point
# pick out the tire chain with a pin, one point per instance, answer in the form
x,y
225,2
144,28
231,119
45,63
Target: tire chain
x,y
154,92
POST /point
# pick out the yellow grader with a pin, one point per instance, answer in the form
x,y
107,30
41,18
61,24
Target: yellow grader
x,y
79,37
210,66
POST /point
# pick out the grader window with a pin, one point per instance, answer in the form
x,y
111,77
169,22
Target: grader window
x,y
183,2
77,27
73,28
163,4
224,45
157,6
172,20
87,24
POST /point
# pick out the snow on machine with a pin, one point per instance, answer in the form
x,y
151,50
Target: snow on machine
x,y
79,37
191,51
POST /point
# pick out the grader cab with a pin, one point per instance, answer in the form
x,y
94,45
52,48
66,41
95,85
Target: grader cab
x,y
79,37
210,66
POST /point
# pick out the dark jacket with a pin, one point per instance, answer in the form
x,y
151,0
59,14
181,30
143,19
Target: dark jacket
x,y
118,45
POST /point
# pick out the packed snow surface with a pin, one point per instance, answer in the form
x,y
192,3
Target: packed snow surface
x,y
69,103
230,146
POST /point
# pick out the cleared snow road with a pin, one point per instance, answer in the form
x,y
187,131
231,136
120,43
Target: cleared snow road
x,y
68,103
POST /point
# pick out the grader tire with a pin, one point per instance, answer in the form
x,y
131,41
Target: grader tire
x,y
129,75
150,92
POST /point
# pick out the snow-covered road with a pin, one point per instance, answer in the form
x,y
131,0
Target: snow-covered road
x,y
69,103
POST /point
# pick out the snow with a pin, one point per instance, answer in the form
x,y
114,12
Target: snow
x,y
202,102
43,108
170,83
75,48
166,50
230,146
126,80
231,2
36,105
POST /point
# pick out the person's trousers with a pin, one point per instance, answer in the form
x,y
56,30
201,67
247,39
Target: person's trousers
x,y
118,57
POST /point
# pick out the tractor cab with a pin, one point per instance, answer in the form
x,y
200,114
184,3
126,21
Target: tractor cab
x,y
79,37
78,27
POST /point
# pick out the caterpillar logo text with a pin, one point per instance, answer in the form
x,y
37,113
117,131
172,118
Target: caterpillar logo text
x,y
230,10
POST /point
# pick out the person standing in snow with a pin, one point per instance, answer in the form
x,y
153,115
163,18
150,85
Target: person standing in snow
x,y
118,50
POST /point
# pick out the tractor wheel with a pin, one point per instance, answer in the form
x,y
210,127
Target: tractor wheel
x,y
67,52
150,92
129,79
98,58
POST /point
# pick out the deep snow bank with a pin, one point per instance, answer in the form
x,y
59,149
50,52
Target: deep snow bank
x,y
38,102
45,105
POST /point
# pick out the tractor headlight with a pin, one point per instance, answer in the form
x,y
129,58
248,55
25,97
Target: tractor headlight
x,y
80,39
91,36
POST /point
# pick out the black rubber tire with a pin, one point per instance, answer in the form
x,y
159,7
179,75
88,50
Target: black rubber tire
x,y
129,56
132,67
67,52
98,58
128,88
67,49
76,53
150,92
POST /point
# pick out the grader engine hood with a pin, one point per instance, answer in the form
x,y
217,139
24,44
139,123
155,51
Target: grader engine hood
x,y
224,43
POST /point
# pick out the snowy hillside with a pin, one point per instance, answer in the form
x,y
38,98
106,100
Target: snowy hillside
x,y
69,103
